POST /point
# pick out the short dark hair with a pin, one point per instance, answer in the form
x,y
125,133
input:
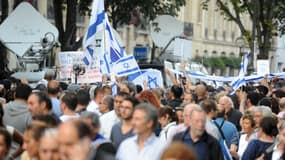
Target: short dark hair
x,y
177,91
23,91
133,100
48,119
82,129
272,103
139,88
70,100
83,97
163,111
97,90
43,97
262,89
208,105
279,93
269,126
122,94
53,89
253,97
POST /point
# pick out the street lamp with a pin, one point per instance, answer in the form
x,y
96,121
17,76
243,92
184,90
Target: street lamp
x,y
240,42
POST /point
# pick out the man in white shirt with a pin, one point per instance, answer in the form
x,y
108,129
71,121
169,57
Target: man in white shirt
x,y
112,117
98,97
144,145
68,104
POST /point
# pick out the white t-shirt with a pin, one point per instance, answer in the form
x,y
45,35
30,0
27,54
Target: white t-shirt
x,y
276,155
242,144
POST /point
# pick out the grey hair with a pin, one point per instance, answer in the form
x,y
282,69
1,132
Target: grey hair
x,y
93,116
109,101
50,132
196,108
150,112
229,100
189,107
266,111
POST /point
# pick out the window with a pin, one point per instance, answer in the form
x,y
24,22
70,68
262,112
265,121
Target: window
x,y
215,34
214,53
224,35
206,33
233,36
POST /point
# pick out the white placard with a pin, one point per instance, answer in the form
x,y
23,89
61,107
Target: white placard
x,y
263,67
68,59
183,48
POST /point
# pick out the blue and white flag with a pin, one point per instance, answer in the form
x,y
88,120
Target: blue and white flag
x,y
240,80
125,66
97,23
113,50
153,77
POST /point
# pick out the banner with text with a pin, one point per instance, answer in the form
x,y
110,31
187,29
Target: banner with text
x,y
67,60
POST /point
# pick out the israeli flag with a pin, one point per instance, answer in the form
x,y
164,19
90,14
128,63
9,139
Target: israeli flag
x,y
114,51
125,66
240,80
153,77
97,23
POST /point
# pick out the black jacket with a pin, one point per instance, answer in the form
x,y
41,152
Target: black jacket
x,y
213,150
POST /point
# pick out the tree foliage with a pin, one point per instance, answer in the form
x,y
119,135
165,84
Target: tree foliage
x,y
121,12
220,62
265,15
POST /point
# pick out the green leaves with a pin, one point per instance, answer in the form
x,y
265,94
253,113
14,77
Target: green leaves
x,y
120,12
220,62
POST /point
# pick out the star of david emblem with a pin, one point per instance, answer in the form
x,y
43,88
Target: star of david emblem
x,y
152,80
126,65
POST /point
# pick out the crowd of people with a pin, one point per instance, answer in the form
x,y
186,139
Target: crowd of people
x,y
186,121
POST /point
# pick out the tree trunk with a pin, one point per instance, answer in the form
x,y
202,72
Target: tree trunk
x,y
57,6
4,9
70,26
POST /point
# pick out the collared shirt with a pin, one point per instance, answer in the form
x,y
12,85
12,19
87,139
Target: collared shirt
x,y
165,133
212,129
229,130
93,107
129,149
108,119
200,146
56,107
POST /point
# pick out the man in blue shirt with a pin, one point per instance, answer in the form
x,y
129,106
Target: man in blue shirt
x,y
228,129
144,145
205,146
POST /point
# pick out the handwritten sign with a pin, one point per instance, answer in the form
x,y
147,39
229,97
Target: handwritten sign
x,y
68,59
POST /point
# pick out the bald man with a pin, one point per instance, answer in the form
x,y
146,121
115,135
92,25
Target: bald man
x,y
74,141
